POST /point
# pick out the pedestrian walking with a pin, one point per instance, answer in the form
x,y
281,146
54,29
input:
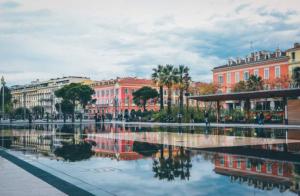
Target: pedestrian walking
x,y
206,118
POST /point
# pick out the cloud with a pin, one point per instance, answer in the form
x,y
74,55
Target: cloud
x,y
9,5
103,39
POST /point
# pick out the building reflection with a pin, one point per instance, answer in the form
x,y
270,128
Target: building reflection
x,y
279,171
267,167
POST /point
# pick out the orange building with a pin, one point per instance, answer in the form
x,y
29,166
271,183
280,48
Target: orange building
x,y
273,68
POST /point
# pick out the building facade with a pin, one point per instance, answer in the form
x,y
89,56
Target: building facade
x,y
275,69
272,67
115,96
41,93
294,54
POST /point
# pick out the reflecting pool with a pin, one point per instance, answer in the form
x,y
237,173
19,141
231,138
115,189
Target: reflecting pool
x,y
124,159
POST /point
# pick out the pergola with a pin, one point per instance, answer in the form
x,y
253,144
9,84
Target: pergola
x,y
280,93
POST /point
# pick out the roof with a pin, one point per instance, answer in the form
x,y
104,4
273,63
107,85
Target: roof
x,y
127,81
292,92
243,63
134,81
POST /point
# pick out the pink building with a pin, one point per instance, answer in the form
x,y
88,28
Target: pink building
x,y
115,96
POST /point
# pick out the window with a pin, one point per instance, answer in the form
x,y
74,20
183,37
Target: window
x,y
246,75
126,90
228,90
293,56
256,73
107,92
237,77
266,73
258,167
165,92
220,79
230,162
228,78
222,160
117,92
102,93
277,72
280,169
269,167
238,164
248,164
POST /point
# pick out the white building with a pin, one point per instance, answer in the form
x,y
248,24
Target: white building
x,y
41,93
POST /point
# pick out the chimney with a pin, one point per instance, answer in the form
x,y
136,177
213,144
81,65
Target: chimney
x,y
229,62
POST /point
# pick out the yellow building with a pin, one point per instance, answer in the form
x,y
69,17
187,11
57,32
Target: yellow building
x,y
294,54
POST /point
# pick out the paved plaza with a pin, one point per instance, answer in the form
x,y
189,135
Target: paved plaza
x,y
16,181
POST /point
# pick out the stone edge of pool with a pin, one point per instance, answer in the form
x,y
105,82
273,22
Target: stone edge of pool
x,y
222,125
54,181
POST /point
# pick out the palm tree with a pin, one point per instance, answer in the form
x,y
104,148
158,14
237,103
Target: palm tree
x,y
158,78
296,76
170,78
183,83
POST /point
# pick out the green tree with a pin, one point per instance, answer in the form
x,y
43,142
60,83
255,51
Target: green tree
x,y
76,93
169,80
66,108
254,83
184,80
142,95
21,113
296,76
7,99
240,87
158,79
38,111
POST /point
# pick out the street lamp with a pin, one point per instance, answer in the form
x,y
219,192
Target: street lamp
x,y
3,84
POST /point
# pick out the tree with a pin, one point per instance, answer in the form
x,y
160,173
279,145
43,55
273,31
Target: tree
x,y
158,79
207,88
254,83
170,78
76,93
142,95
38,111
296,76
7,99
184,80
240,87
281,82
21,113
66,107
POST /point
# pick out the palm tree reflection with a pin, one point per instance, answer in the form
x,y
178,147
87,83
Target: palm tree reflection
x,y
176,165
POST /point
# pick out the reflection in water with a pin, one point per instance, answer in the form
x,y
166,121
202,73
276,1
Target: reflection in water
x,y
74,152
264,167
176,164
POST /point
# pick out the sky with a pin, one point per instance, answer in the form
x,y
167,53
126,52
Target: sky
x,y
105,39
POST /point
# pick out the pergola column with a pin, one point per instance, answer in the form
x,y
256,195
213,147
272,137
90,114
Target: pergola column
x,y
218,111
285,118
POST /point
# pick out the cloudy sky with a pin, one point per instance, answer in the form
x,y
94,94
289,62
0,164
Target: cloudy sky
x,y
104,39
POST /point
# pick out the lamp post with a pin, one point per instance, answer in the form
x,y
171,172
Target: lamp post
x,y
3,85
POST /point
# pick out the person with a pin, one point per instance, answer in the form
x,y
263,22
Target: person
x,y
261,118
103,117
192,118
206,117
